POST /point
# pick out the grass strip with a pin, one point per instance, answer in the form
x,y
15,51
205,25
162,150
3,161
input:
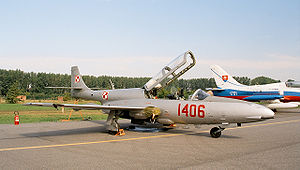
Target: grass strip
x,y
33,118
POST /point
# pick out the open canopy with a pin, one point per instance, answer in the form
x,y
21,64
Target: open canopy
x,y
171,71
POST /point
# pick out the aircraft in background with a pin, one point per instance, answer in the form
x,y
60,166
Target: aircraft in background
x,y
138,104
274,95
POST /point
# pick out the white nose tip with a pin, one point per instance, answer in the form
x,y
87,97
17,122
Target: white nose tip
x,y
267,114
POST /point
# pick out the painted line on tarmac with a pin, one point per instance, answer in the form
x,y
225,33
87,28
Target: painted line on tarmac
x,y
265,124
87,143
131,139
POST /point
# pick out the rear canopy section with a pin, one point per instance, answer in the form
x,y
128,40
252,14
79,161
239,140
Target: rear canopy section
x,y
171,72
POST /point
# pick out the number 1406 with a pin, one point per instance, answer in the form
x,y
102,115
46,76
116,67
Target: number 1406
x,y
191,110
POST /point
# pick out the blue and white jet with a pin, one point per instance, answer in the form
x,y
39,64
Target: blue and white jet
x,y
275,95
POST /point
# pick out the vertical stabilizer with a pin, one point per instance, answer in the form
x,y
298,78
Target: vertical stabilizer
x,y
76,79
222,78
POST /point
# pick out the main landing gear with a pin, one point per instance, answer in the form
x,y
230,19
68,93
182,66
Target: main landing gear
x,y
216,132
112,124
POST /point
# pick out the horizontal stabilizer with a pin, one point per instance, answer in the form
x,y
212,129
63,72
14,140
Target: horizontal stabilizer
x,y
75,88
214,89
96,88
39,104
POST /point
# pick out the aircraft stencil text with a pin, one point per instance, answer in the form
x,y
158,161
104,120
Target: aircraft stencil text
x,y
191,110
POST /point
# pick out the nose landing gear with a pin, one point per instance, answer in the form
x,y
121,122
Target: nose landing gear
x,y
216,132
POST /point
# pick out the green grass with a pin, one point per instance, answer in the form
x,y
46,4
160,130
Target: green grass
x,y
30,114
32,118
20,107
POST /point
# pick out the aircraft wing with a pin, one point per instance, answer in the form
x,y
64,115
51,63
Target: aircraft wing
x,y
88,106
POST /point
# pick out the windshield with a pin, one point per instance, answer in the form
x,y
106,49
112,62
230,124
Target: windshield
x,y
171,71
293,84
199,95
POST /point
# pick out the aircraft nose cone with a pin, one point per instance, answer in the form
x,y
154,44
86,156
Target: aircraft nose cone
x,y
267,114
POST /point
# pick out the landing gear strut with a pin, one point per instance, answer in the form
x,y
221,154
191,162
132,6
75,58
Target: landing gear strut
x,y
112,124
216,132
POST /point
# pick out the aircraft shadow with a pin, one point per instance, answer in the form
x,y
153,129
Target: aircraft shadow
x,y
97,129
204,134
208,135
125,125
66,132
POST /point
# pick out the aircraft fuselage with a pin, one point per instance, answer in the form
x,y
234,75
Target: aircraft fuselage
x,y
261,92
211,110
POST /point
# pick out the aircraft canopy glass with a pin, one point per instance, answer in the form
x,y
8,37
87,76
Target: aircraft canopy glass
x,y
171,71
199,95
293,84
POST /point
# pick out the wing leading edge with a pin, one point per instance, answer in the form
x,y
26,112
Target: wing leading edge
x,y
88,106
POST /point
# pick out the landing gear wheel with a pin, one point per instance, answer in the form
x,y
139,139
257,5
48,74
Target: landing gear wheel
x,y
215,132
112,124
116,128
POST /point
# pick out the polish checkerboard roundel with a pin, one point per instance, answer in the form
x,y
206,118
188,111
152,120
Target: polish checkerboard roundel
x,y
105,95
77,79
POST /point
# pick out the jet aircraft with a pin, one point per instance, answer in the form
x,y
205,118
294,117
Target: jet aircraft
x,y
138,105
274,95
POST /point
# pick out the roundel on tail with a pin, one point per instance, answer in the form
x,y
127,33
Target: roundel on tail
x,y
77,79
225,78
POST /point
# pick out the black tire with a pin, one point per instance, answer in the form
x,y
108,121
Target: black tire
x,y
117,126
214,133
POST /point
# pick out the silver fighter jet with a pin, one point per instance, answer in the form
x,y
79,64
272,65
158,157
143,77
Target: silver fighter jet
x,y
138,104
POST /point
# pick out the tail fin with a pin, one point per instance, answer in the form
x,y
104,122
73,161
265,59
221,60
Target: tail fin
x,y
76,79
222,78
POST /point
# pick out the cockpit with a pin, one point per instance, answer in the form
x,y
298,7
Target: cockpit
x,y
171,72
199,95
293,84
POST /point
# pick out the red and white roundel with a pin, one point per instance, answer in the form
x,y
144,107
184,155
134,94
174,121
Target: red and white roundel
x,y
77,79
105,95
225,78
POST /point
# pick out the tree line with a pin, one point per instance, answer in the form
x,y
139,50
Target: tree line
x,y
33,84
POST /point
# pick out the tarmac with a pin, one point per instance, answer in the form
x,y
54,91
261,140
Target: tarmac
x,y
270,144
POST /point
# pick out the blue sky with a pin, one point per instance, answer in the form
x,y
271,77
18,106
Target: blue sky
x,y
137,37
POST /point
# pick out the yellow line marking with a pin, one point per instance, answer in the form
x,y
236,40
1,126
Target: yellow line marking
x,y
87,143
265,124
130,139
